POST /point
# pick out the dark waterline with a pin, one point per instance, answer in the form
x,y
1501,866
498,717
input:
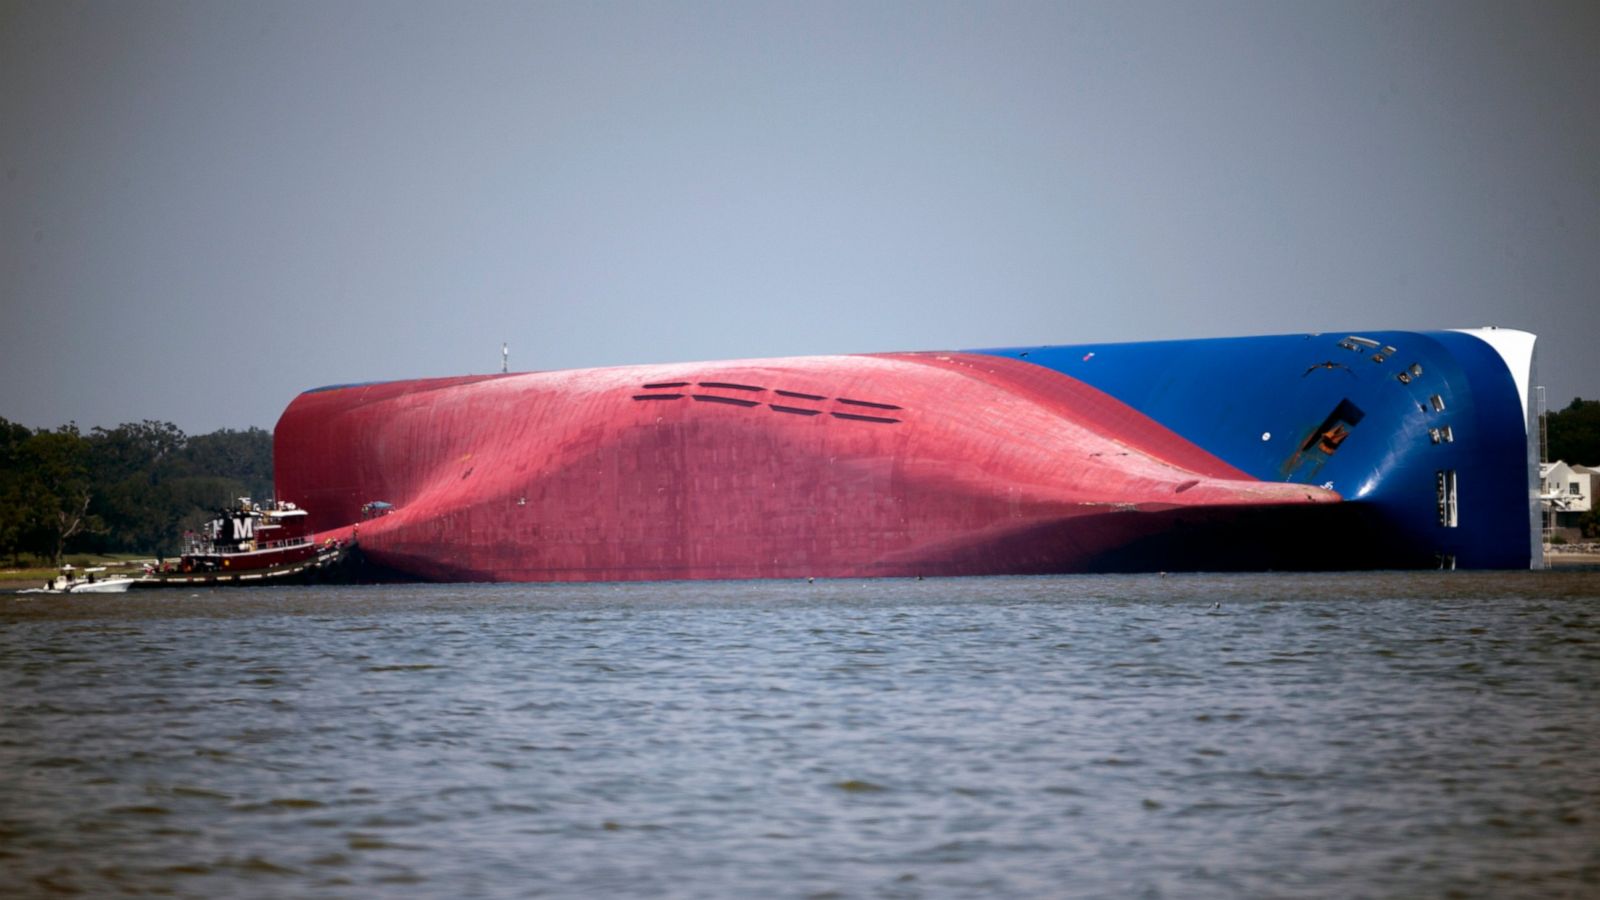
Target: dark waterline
x,y
1386,734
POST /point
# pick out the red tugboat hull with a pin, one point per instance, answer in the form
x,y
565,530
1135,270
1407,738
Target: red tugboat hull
x,y
250,544
842,466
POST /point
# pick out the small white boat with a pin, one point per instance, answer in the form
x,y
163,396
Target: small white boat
x,y
92,581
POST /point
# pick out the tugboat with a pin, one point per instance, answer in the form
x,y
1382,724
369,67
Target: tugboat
x,y
251,543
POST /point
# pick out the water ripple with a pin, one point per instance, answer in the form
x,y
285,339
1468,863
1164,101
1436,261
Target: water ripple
x,y
1221,736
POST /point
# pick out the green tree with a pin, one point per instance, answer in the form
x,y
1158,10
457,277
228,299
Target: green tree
x,y
241,456
13,508
136,487
56,491
134,450
131,466
1574,433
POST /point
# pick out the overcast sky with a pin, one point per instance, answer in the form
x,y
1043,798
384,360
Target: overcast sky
x,y
206,208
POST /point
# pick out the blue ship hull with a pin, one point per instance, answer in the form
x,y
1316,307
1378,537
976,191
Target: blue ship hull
x,y
1427,437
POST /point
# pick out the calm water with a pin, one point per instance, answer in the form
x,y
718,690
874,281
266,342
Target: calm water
x,y
1191,736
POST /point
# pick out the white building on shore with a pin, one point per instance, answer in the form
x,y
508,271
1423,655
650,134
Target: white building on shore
x,y
1567,492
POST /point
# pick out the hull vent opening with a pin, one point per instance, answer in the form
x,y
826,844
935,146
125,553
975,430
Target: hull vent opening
x,y
1323,442
731,401
728,385
856,417
867,403
1445,491
1328,437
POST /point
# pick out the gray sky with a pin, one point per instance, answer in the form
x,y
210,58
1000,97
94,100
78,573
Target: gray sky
x,y
206,208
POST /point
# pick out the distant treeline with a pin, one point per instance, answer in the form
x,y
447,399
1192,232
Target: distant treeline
x,y
131,489
1574,433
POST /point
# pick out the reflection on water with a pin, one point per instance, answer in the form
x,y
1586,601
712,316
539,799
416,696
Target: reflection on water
x,y
1190,736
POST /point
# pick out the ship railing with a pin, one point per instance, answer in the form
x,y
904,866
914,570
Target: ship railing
x,y
286,542
195,545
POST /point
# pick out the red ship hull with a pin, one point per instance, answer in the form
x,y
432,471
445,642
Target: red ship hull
x,y
884,465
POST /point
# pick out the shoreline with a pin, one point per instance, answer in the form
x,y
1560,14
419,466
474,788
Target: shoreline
x,y
1555,561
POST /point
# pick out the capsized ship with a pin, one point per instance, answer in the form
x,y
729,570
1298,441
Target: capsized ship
x,y
1336,451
